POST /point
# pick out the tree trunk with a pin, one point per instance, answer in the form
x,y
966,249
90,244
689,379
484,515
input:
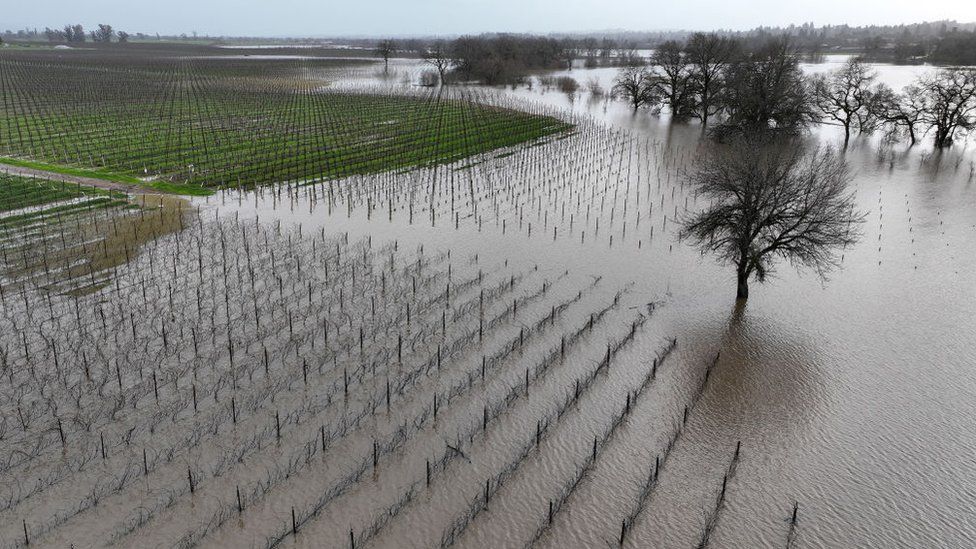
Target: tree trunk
x,y
704,106
743,287
847,134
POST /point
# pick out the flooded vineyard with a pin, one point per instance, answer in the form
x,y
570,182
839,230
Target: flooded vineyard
x,y
497,341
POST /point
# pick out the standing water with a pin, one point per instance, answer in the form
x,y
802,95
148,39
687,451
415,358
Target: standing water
x,y
506,350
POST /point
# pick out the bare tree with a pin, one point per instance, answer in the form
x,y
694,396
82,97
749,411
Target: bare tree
x,y
123,37
902,111
771,202
949,103
675,80
386,49
709,55
438,56
844,95
637,85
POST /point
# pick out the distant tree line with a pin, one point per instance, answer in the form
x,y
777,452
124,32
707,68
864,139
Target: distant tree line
x,y
507,58
936,42
489,59
70,34
747,86
495,59
75,34
957,48
942,42
63,34
761,89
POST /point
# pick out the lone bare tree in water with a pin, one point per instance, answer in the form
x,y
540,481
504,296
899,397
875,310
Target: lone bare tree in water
x,y
386,49
769,202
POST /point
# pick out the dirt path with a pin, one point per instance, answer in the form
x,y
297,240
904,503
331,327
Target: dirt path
x,y
90,181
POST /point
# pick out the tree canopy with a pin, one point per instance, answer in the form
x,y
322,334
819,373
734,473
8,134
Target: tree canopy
x,y
769,202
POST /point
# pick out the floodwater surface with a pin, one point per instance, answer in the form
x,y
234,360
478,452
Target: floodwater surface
x,y
495,353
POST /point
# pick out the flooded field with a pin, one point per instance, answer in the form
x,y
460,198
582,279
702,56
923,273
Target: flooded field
x,y
502,348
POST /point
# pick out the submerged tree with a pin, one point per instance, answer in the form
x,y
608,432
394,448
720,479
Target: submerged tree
x,y
637,85
766,90
709,56
769,202
900,112
386,49
949,98
675,79
844,96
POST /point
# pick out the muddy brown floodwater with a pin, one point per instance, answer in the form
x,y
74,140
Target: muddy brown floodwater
x,y
494,355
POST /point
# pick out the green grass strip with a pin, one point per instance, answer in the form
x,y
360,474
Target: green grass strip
x,y
162,186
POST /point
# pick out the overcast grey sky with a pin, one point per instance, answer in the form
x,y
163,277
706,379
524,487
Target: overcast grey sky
x,y
408,17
